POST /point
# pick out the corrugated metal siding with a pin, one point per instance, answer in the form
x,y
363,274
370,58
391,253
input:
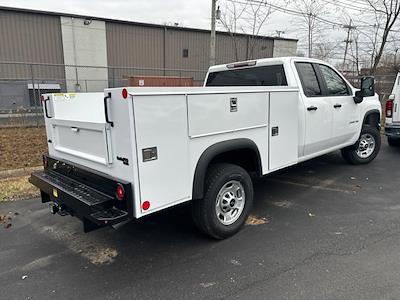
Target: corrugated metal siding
x,y
134,47
29,37
230,49
261,48
141,47
197,44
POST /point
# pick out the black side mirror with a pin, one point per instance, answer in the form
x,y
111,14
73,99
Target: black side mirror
x,y
367,89
368,86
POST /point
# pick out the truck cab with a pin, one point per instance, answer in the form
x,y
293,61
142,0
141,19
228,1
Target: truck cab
x,y
331,111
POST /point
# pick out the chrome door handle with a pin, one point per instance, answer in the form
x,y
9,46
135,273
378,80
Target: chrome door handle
x,y
337,105
310,108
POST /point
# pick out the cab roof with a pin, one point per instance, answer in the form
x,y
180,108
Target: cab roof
x,y
260,62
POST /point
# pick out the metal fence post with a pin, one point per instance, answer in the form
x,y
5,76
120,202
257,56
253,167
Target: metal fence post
x,y
113,76
34,95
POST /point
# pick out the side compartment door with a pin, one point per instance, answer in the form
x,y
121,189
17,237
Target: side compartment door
x,y
317,110
346,116
162,150
284,132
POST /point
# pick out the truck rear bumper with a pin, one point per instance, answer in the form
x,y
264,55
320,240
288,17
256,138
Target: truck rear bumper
x,y
94,208
392,130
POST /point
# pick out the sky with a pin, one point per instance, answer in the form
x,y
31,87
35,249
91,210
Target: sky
x,y
196,14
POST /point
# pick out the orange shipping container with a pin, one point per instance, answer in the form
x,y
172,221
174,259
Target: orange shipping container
x,y
155,81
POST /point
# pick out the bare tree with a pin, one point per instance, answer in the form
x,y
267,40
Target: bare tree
x,y
245,16
325,50
388,11
256,17
230,19
309,11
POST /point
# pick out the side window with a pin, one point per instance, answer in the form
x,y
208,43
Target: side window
x,y
308,79
335,85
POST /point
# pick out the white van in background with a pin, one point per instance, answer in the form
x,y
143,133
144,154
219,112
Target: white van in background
x,y
392,124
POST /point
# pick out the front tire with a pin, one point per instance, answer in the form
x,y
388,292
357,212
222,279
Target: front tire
x,y
228,199
365,149
393,142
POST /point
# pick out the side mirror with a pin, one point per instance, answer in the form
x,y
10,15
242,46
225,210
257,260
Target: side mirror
x,y
367,89
368,86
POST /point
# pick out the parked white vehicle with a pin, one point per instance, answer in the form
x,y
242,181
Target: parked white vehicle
x,y
131,152
392,122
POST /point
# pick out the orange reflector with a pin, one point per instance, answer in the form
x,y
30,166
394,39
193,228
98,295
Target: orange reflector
x,y
55,193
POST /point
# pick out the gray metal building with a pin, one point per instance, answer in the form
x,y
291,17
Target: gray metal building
x,y
43,51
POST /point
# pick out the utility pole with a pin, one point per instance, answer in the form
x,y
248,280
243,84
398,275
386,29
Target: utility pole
x,y
310,35
212,38
347,41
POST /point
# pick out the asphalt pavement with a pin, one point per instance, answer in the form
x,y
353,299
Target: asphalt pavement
x,y
320,230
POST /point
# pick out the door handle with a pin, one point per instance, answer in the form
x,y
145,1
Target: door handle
x,y
106,109
337,105
310,108
45,108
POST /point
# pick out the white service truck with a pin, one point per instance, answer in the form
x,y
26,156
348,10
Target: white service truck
x,y
131,152
392,122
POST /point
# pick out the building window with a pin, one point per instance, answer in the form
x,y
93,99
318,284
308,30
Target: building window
x,y
185,53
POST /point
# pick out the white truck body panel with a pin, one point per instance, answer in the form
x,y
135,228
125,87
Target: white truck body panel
x,y
182,123
208,113
87,140
283,114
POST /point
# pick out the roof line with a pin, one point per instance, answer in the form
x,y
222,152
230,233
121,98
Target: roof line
x,y
26,10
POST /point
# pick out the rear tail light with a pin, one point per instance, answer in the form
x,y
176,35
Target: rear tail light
x,y
120,192
389,107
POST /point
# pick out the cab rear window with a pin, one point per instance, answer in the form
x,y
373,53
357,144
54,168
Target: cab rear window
x,y
257,76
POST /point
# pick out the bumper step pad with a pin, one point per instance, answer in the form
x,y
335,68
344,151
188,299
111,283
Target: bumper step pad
x,y
92,206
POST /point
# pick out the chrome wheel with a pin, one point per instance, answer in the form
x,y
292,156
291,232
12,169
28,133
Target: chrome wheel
x,y
230,202
366,146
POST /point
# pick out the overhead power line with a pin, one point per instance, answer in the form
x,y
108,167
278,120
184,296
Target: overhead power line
x,y
303,14
288,11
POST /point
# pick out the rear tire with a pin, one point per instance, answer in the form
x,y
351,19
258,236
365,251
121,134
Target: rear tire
x,y
394,142
228,199
365,149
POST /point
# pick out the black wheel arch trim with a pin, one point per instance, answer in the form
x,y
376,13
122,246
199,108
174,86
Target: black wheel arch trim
x,y
370,112
211,152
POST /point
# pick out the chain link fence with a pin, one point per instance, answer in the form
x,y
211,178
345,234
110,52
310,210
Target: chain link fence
x,y
22,84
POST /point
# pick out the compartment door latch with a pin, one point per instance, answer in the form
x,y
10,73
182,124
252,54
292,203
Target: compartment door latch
x,y
234,104
275,131
149,154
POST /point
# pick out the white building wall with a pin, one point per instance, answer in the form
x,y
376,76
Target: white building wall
x,y
84,44
284,48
